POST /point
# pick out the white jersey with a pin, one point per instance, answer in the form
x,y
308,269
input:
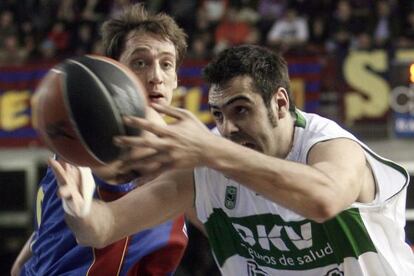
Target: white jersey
x,y
250,235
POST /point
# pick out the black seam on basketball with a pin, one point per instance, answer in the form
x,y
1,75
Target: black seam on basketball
x,y
82,140
133,78
135,105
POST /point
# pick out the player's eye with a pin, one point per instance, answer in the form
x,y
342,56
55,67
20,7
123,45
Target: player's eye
x,y
167,65
138,64
240,110
218,116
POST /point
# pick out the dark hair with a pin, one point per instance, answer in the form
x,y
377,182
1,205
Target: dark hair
x,y
268,70
135,18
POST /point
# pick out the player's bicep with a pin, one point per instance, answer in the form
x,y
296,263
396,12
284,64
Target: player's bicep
x,y
343,162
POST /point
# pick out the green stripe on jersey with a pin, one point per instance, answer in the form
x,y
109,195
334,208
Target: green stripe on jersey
x,y
270,241
300,120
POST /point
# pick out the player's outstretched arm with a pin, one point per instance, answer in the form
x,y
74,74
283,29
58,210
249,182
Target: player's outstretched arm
x,y
162,199
318,190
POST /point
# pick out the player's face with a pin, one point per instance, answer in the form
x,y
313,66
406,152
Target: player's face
x,y
241,115
153,60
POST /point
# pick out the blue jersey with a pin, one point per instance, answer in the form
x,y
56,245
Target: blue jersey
x,y
156,251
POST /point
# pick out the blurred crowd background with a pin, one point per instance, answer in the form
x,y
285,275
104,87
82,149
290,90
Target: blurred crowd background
x,y
52,29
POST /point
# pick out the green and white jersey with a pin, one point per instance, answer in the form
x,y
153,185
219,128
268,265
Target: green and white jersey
x,y
250,235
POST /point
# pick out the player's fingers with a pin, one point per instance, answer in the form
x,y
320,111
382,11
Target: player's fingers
x,y
154,143
145,124
59,171
71,172
65,192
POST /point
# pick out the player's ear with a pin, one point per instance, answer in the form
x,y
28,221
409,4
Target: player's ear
x,y
280,101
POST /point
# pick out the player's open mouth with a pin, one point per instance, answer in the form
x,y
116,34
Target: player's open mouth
x,y
155,97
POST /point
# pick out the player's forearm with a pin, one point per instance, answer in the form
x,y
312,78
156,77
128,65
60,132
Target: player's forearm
x,y
153,203
296,186
95,229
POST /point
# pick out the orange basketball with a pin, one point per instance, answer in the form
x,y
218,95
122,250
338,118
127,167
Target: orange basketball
x,y
77,108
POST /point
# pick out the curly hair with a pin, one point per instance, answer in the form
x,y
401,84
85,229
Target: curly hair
x,y
268,70
114,31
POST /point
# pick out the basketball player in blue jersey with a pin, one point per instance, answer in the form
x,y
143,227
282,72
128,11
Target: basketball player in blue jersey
x,y
153,46
280,191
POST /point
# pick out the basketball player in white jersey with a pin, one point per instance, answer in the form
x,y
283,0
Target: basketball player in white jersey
x,y
279,191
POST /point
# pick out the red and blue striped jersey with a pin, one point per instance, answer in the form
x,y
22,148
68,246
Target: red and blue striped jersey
x,y
156,251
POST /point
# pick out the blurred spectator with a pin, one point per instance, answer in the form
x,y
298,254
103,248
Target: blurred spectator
x,y
343,27
27,28
406,39
232,30
60,37
43,14
181,11
117,7
290,32
318,34
68,11
385,26
202,40
7,26
248,12
202,22
200,46
215,10
12,53
362,42
47,50
269,12
30,45
84,39
93,10
29,39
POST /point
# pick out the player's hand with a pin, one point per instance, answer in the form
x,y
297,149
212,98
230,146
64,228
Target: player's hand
x,y
76,187
181,144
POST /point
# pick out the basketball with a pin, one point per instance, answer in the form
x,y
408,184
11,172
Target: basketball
x,y
78,106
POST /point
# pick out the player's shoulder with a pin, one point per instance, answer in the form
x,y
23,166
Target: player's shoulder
x,y
314,124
